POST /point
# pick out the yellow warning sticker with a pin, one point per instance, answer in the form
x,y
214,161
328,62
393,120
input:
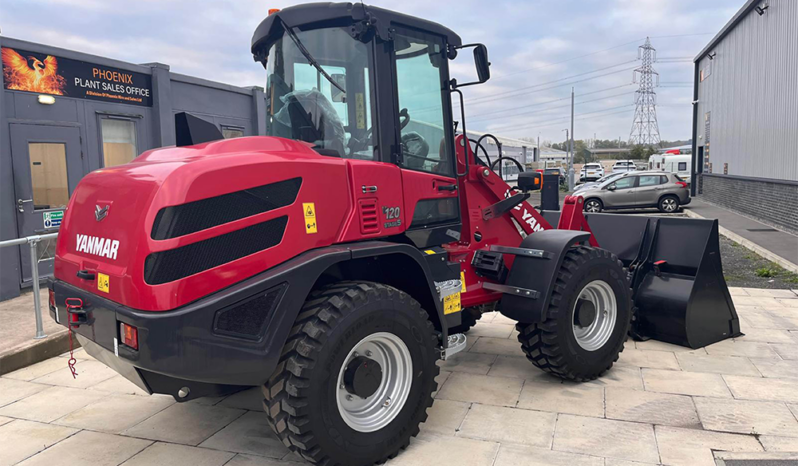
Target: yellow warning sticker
x,y
451,304
309,209
462,282
103,283
360,111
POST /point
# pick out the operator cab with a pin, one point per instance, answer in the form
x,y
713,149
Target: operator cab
x,y
357,81
360,82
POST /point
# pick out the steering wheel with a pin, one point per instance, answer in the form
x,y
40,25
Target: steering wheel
x,y
516,162
363,143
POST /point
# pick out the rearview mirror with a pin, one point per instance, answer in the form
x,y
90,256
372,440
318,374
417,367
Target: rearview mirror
x,y
530,181
337,94
611,187
480,61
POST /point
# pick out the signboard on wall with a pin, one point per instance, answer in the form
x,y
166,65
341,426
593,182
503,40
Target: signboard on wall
x,y
48,74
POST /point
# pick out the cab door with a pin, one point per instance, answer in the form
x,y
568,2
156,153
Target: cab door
x,y
425,132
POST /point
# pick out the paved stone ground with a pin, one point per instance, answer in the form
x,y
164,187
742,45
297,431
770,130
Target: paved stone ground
x,y
661,404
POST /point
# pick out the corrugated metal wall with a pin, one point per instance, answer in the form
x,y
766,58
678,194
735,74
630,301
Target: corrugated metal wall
x,y
751,94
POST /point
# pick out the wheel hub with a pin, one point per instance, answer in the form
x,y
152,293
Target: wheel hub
x,y
374,382
594,315
362,377
585,313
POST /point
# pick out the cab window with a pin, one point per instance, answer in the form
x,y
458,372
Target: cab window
x,y
420,83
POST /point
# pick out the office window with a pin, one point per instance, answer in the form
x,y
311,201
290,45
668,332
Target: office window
x,y
119,141
48,175
230,132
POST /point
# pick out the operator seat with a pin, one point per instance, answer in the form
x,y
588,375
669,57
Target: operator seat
x,y
312,118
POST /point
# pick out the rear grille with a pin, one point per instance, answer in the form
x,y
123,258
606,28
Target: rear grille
x,y
369,216
247,319
174,264
191,217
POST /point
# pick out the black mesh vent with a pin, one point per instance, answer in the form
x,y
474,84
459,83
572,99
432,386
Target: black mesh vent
x,y
247,318
183,219
174,264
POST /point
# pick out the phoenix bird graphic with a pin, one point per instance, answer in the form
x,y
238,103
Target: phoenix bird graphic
x,y
31,74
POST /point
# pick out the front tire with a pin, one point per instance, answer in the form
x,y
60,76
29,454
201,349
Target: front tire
x,y
587,320
355,377
668,204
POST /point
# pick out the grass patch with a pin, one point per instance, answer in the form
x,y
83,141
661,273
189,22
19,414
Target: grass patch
x,y
766,272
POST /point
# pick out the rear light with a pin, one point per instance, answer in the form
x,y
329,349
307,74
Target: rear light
x,y
129,335
682,184
52,299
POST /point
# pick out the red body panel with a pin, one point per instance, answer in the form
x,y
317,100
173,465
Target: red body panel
x,y
354,200
136,192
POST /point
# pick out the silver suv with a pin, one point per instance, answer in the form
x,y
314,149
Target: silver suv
x,y
634,190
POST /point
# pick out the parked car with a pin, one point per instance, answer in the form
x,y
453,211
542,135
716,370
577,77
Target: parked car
x,y
597,183
665,191
591,172
624,166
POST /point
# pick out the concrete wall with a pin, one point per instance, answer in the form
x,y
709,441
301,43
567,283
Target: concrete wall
x,y
772,202
223,104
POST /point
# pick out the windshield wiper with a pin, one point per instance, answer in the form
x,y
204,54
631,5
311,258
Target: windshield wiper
x,y
310,58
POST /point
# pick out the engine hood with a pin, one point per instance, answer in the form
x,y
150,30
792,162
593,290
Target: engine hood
x,y
178,223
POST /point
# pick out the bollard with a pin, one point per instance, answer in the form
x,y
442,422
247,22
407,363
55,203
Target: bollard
x,y
37,304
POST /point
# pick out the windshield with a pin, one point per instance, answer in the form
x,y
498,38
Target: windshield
x,y
328,107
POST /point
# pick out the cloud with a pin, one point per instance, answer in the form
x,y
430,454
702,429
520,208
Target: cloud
x,y
530,42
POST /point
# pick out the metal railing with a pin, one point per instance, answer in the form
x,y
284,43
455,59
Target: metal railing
x,y
34,266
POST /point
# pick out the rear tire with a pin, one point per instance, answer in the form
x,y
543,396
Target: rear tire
x,y
312,399
581,350
668,204
468,319
593,205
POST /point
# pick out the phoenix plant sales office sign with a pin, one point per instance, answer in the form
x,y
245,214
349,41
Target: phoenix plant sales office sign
x,y
48,74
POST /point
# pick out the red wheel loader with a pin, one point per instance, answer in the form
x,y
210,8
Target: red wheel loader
x,y
329,261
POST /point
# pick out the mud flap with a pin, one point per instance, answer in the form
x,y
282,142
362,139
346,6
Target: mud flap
x,y
676,276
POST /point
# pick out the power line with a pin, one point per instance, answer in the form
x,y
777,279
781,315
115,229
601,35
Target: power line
x,y
566,118
490,99
559,79
551,101
552,108
600,51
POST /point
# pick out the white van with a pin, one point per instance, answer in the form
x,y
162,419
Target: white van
x,y
671,163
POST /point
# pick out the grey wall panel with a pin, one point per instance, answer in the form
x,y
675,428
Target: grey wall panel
x,y
196,99
752,96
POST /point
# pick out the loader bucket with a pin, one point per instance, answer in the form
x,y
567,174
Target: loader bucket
x,y
676,276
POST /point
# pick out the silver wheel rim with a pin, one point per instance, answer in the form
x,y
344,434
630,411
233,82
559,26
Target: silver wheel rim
x,y
592,206
596,335
669,205
378,410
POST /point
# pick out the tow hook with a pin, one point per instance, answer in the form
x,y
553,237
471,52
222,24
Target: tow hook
x,y
76,315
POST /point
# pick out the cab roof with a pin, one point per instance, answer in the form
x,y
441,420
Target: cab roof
x,y
328,14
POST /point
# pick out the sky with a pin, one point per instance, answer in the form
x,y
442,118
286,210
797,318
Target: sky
x,y
538,51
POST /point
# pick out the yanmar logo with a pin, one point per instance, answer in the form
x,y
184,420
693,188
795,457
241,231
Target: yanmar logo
x,y
98,246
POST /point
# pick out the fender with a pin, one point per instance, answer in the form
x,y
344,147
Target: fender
x,y
538,274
